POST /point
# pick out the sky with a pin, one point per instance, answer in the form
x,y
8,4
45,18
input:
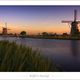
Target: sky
x,y
37,19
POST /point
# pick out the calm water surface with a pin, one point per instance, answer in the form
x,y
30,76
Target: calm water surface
x,y
65,53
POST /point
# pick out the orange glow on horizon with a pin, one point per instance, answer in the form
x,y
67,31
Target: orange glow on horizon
x,y
35,29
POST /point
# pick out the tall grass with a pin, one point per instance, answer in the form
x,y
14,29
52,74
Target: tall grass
x,y
15,57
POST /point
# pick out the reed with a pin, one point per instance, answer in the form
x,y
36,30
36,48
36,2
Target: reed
x,y
14,57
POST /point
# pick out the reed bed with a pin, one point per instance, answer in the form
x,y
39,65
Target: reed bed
x,y
18,58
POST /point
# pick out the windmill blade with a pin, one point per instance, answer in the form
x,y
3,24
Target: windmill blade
x,y
69,25
78,21
6,25
78,25
8,29
67,21
2,26
75,15
24,26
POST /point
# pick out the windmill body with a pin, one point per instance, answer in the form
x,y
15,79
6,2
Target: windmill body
x,y
4,31
74,31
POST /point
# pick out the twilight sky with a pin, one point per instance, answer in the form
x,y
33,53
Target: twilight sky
x,y
36,19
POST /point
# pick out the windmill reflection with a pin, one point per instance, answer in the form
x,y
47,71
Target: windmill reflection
x,y
74,48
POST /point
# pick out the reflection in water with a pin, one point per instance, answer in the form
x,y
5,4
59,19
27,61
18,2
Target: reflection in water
x,y
74,48
23,41
65,53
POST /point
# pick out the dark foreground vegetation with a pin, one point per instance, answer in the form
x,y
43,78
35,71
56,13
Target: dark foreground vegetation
x,y
15,57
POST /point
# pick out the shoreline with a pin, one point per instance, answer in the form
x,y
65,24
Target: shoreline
x,y
55,38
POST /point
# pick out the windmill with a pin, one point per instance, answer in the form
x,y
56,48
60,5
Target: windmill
x,y
73,25
5,29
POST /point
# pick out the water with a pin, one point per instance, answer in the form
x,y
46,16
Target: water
x,y
65,53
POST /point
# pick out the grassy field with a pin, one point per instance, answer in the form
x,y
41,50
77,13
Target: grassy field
x,y
17,58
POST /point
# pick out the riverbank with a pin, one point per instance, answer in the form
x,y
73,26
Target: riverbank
x,y
15,57
56,38
47,37
53,37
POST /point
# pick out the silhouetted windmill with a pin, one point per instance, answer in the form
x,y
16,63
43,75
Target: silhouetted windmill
x,y
74,25
5,29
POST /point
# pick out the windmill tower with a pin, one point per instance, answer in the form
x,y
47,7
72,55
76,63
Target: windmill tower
x,y
4,31
73,25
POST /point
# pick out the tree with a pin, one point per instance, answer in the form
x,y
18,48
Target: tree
x,y
44,34
23,33
64,34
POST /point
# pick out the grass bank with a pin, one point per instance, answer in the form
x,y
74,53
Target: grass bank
x,y
17,58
